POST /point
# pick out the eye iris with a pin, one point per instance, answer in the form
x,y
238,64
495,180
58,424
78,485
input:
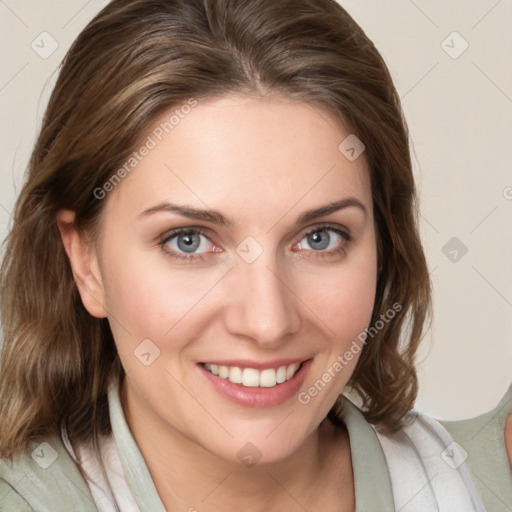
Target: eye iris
x,y
319,237
189,242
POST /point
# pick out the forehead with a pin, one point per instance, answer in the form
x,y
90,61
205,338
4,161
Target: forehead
x,y
243,155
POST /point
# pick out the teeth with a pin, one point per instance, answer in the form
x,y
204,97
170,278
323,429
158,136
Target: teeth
x,y
252,378
290,371
268,378
281,374
235,375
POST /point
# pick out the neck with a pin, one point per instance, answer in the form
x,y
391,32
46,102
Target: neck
x,y
186,475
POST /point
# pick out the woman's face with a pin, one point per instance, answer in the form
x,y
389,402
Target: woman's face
x,y
256,288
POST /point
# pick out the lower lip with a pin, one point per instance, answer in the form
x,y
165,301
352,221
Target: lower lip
x,y
258,397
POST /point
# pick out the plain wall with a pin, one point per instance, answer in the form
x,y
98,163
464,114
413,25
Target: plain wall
x,y
458,105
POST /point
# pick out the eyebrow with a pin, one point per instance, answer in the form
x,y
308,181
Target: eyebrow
x,y
216,217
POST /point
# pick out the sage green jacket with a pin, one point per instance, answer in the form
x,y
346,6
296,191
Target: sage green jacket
x,y
483,440
409,468
28,486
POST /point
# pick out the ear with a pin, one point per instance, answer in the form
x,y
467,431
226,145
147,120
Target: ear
x,y
84,264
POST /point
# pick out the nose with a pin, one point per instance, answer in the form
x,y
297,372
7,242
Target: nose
x,y
262,305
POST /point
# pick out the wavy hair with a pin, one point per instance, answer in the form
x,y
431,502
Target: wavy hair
x,y
133,61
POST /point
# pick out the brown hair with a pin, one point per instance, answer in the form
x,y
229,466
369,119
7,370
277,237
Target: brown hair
x,y
136,59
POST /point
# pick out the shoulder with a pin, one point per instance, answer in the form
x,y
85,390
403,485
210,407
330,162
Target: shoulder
x,y
483,440
44,478
484,426
427,468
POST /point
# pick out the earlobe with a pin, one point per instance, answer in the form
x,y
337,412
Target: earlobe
x,y
84,264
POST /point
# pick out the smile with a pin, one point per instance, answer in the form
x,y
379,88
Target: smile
x,y
267,385
253,378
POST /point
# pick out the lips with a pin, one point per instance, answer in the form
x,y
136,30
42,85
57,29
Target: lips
x,y
261,384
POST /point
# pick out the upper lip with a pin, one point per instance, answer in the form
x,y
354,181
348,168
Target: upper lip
x,y
257,365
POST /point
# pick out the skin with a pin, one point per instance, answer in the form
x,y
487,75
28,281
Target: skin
x,y
508,438
261,163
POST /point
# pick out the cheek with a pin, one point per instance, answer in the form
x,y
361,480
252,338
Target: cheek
x,y
344,297
141,300
353,301
344,301
347,313
344,304
147,297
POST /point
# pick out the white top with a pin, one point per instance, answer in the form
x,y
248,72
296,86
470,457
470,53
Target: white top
x,y
417,469
427,469
90,467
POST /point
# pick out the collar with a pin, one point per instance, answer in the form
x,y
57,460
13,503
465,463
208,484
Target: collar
x,y
371,476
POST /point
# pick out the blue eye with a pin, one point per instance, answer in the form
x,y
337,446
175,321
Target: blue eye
x,y
321,240
182,243
188,242
191,244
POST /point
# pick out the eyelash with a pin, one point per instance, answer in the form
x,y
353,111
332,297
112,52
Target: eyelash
x,y
197,230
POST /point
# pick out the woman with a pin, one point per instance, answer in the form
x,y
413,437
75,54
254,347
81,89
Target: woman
x,y
487,440
178,333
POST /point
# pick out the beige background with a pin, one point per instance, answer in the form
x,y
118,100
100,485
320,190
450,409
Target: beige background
x,y
459,109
